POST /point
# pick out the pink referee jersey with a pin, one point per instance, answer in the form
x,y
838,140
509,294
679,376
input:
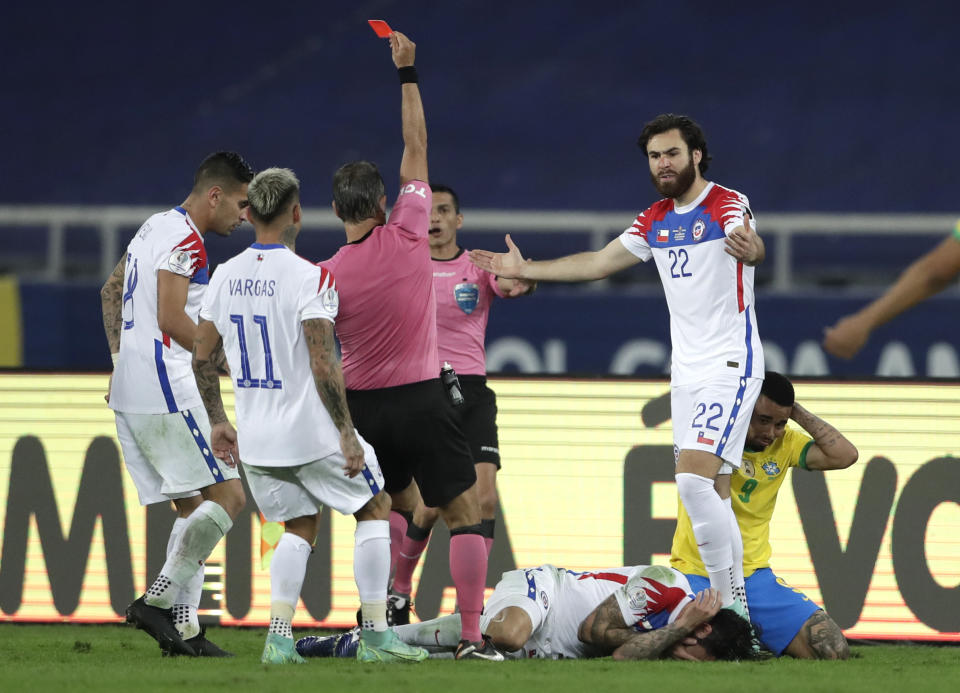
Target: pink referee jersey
x,y
464,294
388,318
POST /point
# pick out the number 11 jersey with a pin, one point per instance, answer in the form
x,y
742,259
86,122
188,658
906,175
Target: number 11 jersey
x,y
258,300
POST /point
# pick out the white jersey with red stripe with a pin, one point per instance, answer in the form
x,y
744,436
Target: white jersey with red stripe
x,y
153,373
258,300
713,324
649,597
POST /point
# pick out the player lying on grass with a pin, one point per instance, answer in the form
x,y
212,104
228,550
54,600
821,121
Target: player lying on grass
x,y
633,612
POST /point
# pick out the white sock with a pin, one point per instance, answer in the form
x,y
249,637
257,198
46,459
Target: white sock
x,y
287,570
186,602
437,632
371,571
201,532
711,527
736,549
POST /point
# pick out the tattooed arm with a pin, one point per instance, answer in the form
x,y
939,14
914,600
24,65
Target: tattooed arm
x,y
223,438
328,379
819,638
111,303
606,629
830,449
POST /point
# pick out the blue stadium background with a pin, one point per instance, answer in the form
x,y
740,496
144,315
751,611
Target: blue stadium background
x,y
533,105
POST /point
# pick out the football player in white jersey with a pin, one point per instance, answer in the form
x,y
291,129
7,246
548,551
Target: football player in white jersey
x,y
273,312
633,612
701,238
150,306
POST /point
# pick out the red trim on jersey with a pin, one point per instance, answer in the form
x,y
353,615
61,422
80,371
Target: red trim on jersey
x,y
662,598
326,279
166,340
740,305
612,577
193,244
655,212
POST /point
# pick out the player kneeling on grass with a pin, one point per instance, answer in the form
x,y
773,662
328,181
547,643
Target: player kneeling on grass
x,y
274,313
633,612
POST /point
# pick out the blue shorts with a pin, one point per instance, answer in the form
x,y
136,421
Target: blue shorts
x,y
777,610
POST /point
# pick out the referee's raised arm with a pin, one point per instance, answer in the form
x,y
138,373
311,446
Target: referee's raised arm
x,y
413,166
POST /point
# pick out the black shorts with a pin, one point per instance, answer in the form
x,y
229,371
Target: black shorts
x,y
415,433
478,419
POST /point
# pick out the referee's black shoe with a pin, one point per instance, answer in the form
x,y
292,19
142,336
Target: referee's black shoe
x,y
158,624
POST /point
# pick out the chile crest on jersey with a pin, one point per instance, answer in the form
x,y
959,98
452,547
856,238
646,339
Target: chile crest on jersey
x,y
467,295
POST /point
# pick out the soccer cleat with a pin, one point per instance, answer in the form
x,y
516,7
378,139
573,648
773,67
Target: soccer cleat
x,y
158,624
280,650
385,646
339,645
205,648
479,650
398,608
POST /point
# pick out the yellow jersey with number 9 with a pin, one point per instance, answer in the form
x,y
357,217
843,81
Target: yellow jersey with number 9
x,y
753,489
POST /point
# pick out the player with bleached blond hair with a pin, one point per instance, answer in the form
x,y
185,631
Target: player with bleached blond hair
x,y
274,313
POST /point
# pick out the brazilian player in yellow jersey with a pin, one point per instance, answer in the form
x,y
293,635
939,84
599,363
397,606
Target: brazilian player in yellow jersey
x,y
787,621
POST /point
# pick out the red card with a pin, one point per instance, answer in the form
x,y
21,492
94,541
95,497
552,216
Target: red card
x,y
380,27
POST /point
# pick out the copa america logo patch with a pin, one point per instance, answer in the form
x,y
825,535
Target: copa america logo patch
x,y
747,468
330,300
543,598
181,262
467,295
698,228
637,598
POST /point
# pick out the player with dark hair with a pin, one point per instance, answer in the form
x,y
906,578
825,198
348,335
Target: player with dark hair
x,y
701,238
465,296
633,612
387,327
150,307
788,622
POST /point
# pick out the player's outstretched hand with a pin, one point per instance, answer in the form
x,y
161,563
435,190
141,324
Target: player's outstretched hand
x,y
704,607
847,337
352,453
402,49
223,442
508,265
745,245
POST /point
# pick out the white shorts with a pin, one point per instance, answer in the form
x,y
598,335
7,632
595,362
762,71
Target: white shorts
x,y
283,493
168,456
538,591
714,416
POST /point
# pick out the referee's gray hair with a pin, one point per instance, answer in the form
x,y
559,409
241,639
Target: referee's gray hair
x,y
272,192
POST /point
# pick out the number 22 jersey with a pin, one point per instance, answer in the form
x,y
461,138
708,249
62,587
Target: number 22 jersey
x,y
713,324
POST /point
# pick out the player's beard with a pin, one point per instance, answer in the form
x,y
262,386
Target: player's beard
x,y
680,184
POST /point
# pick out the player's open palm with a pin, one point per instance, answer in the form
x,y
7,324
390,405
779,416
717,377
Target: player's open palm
x,y
223,442
352,453
508,265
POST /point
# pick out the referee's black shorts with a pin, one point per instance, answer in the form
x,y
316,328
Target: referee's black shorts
x,y
415,432
478,419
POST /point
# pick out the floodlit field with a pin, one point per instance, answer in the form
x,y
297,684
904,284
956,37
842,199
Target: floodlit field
x,y
119,658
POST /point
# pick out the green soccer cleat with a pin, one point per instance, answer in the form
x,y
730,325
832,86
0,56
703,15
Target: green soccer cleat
x,y
387,647
280,650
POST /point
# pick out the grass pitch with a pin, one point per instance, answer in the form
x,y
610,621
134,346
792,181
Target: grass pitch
x,y
66,658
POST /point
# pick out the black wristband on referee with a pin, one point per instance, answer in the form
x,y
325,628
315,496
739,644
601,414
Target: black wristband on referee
x,y
408,74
